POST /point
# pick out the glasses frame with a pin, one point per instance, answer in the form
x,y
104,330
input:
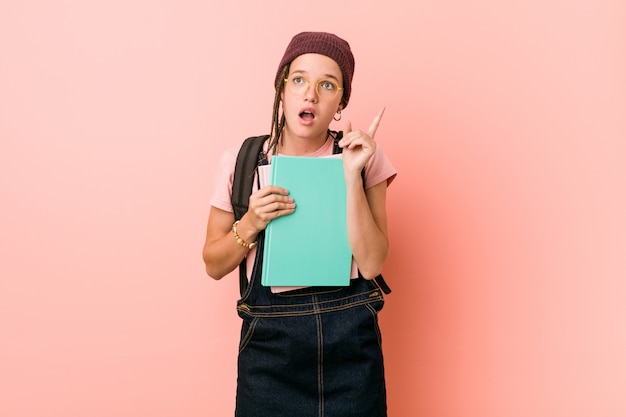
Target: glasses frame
x,y
317,86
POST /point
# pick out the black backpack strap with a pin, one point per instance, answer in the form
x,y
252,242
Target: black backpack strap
x,y
336,150
249,157
336,138
245,167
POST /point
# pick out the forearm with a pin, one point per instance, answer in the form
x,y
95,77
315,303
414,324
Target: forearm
x,y
222,254
367,230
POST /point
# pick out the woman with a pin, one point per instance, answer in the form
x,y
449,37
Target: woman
x,y
313,351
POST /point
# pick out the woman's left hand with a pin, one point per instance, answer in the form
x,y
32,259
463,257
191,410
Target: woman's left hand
x,y
358,146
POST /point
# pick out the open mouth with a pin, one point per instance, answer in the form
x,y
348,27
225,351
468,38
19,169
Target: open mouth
x,y
307,115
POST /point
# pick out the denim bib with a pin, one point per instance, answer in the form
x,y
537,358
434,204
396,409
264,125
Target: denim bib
x,y
313,352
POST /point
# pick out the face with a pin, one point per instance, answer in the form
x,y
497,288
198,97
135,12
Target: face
x,y
307,112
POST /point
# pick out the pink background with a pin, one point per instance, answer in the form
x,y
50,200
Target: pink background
x,y
506,121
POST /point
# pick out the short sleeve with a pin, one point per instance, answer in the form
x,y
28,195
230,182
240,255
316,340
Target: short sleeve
x,y
379,169
223,180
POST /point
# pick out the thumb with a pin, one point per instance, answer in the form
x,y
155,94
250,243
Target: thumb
x,y
348,127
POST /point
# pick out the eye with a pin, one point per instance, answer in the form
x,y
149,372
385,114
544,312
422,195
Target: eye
x,y
328,85
297,80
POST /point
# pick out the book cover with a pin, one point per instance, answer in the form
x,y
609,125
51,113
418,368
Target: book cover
x,y
310,246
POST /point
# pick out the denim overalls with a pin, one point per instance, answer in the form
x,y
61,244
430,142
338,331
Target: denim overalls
x,y
313,352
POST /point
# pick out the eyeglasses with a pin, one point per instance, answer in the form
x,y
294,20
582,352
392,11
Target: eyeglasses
x,y
326,89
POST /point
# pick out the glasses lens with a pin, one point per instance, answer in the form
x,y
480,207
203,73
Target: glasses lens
x,y
297,84
327,89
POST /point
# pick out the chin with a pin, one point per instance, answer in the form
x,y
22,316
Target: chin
x,y
308,133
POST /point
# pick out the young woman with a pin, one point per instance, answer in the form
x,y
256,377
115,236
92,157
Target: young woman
x,y
313,351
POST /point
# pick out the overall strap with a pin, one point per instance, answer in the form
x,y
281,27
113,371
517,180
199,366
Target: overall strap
x,y
248,159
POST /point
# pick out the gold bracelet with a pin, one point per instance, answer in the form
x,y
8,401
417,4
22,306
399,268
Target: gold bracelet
x,y
240,240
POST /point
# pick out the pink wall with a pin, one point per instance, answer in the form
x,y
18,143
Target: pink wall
x,y
506,121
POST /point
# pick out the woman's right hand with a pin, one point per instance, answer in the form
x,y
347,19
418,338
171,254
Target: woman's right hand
x,y
221,251
266,204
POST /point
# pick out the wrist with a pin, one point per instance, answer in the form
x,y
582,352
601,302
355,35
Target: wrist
x,y
248,243
353,177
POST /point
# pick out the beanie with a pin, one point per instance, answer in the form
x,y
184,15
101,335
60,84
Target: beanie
x,y
325,44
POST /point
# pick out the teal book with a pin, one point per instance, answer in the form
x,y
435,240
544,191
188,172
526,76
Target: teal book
x,y
310,246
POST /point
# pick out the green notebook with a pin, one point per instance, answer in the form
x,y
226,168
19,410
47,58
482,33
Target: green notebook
x,y
309,247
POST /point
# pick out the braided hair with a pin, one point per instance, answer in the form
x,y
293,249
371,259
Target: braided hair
x,y
278,117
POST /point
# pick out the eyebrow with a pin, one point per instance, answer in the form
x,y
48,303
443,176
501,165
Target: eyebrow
x,y
325,75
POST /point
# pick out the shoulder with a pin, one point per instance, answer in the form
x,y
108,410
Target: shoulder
x,y
224,177
230,154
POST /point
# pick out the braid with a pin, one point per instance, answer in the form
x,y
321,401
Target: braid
x,y
278,118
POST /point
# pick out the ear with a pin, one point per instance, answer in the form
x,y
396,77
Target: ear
x,y
339,109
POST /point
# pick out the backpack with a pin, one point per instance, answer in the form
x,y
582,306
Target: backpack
x,y
249,157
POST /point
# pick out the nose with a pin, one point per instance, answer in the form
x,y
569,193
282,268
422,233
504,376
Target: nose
x,y
311,91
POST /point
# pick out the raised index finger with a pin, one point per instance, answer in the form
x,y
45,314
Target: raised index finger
x,y
376,122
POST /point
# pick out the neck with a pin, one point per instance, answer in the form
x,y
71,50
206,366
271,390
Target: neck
x,y
300,146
